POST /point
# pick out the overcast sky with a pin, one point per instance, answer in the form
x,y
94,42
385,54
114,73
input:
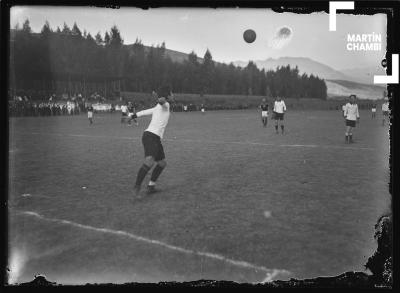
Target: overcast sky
x,y
221,30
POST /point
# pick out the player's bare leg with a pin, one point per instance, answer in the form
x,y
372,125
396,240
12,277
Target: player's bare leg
x,y
347,135
350,135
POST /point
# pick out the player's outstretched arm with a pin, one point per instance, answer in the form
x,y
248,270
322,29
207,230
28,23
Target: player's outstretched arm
x,y
143,113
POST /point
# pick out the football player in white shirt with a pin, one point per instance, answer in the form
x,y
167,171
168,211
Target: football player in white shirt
x,y
151,139
124,112
279,112
385,111
352,116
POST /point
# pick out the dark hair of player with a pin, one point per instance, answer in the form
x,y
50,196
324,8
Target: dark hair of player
x,y
164,91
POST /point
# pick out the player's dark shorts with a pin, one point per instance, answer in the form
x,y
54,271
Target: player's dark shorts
x,y
152,146
351,123
278,116
385,113
124,114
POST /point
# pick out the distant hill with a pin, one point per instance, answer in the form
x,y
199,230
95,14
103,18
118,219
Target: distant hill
x,y
358,81
339,83
176,56
364,74
343,88
305,65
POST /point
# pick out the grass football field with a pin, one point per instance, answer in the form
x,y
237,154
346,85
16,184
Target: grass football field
x,y
238,202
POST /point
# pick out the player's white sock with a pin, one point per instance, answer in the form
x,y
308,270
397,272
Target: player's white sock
x,y
151,183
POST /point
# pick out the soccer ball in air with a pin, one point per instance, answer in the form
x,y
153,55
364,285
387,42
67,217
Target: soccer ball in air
x,y
249,36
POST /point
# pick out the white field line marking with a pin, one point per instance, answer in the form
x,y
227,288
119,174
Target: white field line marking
x,y
34,195
270,273
210,141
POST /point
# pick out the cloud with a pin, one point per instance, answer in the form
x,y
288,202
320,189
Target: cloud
x,y
282,37
184,18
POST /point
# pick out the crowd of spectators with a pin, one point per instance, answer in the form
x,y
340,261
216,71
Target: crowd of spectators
x,y
180,107
29,108
28,103
24,104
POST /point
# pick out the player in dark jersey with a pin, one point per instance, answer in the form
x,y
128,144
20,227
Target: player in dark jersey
x,y
131,111
264,112
90,114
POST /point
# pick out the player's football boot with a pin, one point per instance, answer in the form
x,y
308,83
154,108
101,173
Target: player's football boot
x,y
151,189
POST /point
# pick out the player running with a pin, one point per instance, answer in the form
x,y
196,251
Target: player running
x,y
90,114
151,139
385,112
131,111
264,112
352,116
202,108
279,112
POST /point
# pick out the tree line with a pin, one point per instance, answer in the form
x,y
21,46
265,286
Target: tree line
x,y
40,60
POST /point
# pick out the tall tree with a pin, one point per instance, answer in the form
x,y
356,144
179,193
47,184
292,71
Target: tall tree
x,y
76,31
46,30
99,39
115,37
207,71
26,27
66,30
106,39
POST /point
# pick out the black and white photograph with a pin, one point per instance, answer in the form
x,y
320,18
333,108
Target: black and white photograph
x,y
231,143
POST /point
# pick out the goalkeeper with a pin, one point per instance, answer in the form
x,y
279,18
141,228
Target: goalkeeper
x,y
151,139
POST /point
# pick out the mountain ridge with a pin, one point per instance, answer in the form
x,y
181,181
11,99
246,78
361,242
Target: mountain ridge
x,y
338,83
